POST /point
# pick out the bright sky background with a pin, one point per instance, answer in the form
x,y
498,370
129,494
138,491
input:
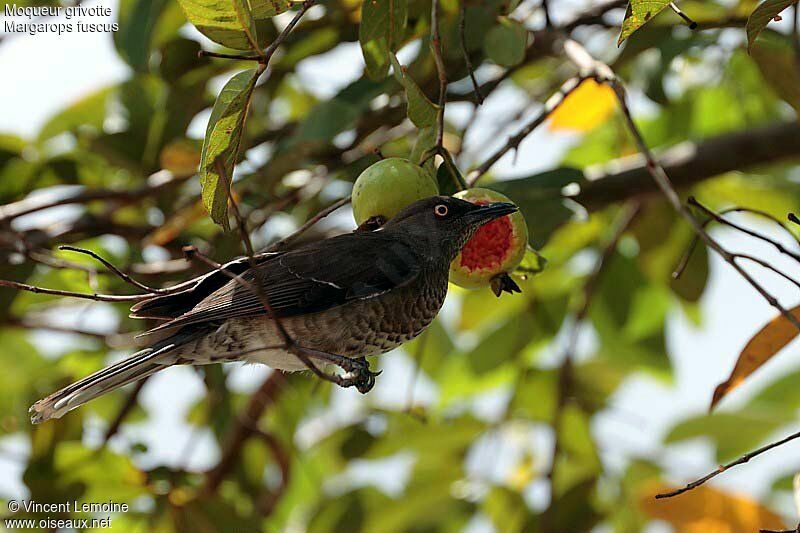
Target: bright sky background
x,y
44,73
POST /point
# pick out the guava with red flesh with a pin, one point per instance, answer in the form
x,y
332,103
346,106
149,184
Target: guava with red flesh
x,y
496,248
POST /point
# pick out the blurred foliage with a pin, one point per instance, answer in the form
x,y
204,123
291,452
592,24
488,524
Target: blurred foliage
x,y
472,443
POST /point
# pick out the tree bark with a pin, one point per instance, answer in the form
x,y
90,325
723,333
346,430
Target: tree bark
x,y
691,162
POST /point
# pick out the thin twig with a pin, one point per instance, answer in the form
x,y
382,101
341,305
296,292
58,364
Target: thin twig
x,y
764,214
46,257
114,270
264,56
273,46
241,224
85,296
578,55
718,218
692,24
684,261
283,243
462,24
513,142
436,49
741,460
663,182
765,264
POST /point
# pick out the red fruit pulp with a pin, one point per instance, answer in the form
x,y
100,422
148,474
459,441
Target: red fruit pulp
x,y
489,246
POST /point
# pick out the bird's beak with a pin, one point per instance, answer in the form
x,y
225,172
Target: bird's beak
x,y
486,213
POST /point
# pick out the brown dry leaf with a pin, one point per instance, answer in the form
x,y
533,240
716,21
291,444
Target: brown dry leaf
x,y
707,510
585,108
771,339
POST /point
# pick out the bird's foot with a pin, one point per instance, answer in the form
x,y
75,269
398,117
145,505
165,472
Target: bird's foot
x,y
359,376
357,373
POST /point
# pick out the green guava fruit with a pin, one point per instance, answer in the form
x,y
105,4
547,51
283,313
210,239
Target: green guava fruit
x,y
497,248
388,186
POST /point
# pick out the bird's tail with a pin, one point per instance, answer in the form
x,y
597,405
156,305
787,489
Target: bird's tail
x,y
139,365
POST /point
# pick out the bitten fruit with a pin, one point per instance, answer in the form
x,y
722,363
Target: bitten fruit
x,y
496,249
386,187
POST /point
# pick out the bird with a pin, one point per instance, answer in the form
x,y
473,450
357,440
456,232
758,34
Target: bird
x,y
337,300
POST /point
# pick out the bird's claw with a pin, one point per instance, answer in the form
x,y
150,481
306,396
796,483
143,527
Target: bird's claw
x,y
360,376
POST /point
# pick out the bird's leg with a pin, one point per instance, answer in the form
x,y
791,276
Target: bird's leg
x,y
357,372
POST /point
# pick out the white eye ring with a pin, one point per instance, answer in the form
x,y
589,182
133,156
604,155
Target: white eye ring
x,y
440,210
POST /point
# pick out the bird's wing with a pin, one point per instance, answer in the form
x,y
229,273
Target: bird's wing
x,y
311,279
188,294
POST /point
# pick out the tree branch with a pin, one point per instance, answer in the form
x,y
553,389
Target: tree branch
x,y
158,182
690,163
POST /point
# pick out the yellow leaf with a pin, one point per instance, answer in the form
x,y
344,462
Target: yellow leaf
x,y
771,339
585,108
707,510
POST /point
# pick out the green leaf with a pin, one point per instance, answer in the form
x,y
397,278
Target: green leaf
x,y
505,42
329,118
663,241
761,16
532,263
503,344
235,24
137,23
628,314
244,14
221,145
383,23
426,139
638,13
775,57
421,111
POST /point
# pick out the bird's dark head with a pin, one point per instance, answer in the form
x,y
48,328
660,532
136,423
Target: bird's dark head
x,y
439,226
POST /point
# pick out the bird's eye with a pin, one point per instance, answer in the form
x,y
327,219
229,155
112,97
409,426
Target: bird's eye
x,y
440,210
